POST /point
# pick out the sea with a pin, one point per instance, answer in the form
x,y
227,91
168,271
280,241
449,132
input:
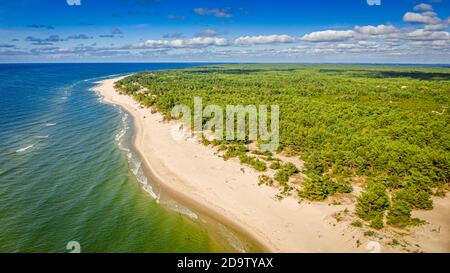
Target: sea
x,y
69,179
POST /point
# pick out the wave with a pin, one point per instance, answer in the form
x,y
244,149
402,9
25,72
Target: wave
x,y
24,149
232,239
147,188
97,79
182,210
139,174
134,162
50,124
41,137
121,134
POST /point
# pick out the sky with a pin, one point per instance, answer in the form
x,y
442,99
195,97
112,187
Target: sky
x,y
341,31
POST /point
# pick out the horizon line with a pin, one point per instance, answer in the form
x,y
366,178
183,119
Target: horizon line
x,y
216,62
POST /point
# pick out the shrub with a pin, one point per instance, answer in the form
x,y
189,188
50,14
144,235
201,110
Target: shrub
x,y
281,176
357,223
290,168
252,161
440,191
260,165
265,180
284,172
205,141
339,186
235,151
377,221
246,159
313,163
266,153
314,188
319,187
418,197
399,213
275,165
372,202
222,147
394,242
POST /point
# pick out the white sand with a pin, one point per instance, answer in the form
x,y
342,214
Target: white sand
x,y
194,172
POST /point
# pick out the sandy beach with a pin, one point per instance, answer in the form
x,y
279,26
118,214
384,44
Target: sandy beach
x,y
229,191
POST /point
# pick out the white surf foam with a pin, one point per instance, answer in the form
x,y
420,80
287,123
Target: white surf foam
x,y
182,210
232,239
120,135
134,162
24,149
147,188
50,124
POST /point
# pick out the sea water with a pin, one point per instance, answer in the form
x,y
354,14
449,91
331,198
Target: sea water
x,y
68,171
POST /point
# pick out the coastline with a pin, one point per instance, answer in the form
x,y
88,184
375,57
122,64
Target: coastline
x,y
194,175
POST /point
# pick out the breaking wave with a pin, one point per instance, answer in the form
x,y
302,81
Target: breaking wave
x,y
232,239
180,209
24,149
134,161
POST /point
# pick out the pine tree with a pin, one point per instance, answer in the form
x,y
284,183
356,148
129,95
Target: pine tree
x,y
399,213
313,189
372,201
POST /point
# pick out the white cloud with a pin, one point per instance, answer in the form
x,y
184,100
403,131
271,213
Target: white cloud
x,y
368,44
359,47
436,27
430,39
219,13
412,17
429,13
297,49
423,7
73,2
376,30
425,35
433,44
441,43
180,43
329,35
374,2
207,33
264,39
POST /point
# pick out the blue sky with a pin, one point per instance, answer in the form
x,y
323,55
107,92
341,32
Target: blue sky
x,y
397,31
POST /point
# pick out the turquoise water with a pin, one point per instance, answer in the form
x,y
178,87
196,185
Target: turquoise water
x,y
67,171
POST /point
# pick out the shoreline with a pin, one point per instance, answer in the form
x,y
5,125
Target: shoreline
x,y
151,173
194,175
166,192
